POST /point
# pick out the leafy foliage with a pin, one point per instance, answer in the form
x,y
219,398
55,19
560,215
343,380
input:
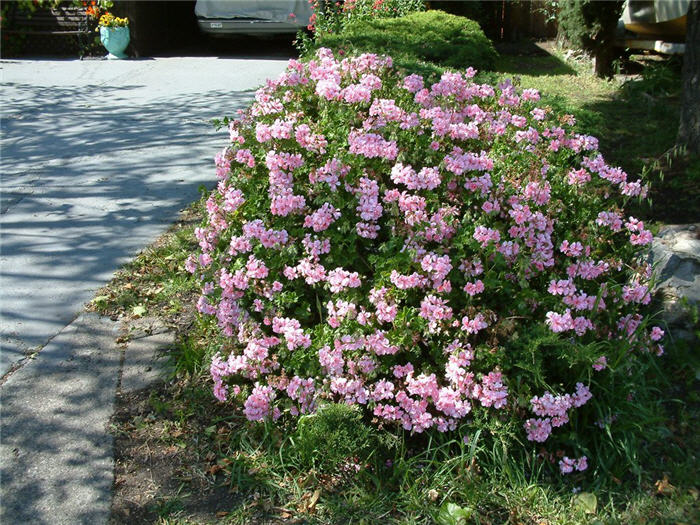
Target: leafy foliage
x,y
591,25
333,17
583,23
333,439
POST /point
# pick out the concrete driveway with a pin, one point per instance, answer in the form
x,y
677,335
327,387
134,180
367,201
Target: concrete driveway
x,y
97,157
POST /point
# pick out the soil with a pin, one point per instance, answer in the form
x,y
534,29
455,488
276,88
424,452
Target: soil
x,y
157,476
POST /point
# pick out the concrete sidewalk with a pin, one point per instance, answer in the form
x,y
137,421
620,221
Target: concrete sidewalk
x,y
97,157
56,451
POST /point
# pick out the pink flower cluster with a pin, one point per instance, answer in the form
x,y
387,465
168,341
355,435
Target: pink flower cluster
x,y
372,145
322,218
372,241
425,179
568,465
554,411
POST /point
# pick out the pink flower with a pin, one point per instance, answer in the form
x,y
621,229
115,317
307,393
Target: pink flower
x,y
492,391
474,288
356,93
292,332
559,322
641,238
538,429
571,249
257,406
328,89
413,83
656,334
426,178
473,326
382,390
434,310
371,145
405,282
567,465
310,141
578,177
610,219
386,309
485,235
340,280
582,463
582,395
331,360
256,268
437,266
322,218
403,370
600,364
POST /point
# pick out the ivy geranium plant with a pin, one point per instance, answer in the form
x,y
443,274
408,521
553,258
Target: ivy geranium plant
x,y
444,256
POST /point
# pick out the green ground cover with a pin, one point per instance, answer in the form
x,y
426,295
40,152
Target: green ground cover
x,y
215,466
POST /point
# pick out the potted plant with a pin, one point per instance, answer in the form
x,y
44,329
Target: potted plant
x,y
114,35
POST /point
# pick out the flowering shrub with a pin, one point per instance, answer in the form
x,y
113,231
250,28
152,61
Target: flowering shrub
x,y
437,255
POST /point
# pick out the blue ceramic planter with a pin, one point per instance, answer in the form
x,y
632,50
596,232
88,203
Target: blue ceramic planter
x,y
115,40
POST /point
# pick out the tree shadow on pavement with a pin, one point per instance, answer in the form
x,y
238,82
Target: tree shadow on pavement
x,y
90,178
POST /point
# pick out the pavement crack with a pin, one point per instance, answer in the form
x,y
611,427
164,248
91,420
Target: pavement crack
x,y
31,354
14,202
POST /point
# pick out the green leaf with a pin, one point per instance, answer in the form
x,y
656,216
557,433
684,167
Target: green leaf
x,y
586,501
100,299
138,310
453,514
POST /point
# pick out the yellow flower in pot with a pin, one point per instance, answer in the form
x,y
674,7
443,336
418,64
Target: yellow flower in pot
x,y
114,35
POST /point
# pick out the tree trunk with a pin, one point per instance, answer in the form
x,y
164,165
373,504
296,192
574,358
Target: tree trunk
x,y
607,14
603,61
689,129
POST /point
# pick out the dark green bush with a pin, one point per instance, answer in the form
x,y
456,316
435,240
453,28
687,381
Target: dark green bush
x,y
423,43
333,437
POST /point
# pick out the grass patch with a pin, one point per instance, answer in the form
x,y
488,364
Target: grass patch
x,y
208,464
154,282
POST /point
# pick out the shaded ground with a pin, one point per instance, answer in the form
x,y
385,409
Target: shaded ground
x,y
157,472
97,158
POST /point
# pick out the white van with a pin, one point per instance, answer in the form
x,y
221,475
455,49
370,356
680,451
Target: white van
x,y
221,18
655,25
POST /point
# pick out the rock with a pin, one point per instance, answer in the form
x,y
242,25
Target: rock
x,y
675,254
